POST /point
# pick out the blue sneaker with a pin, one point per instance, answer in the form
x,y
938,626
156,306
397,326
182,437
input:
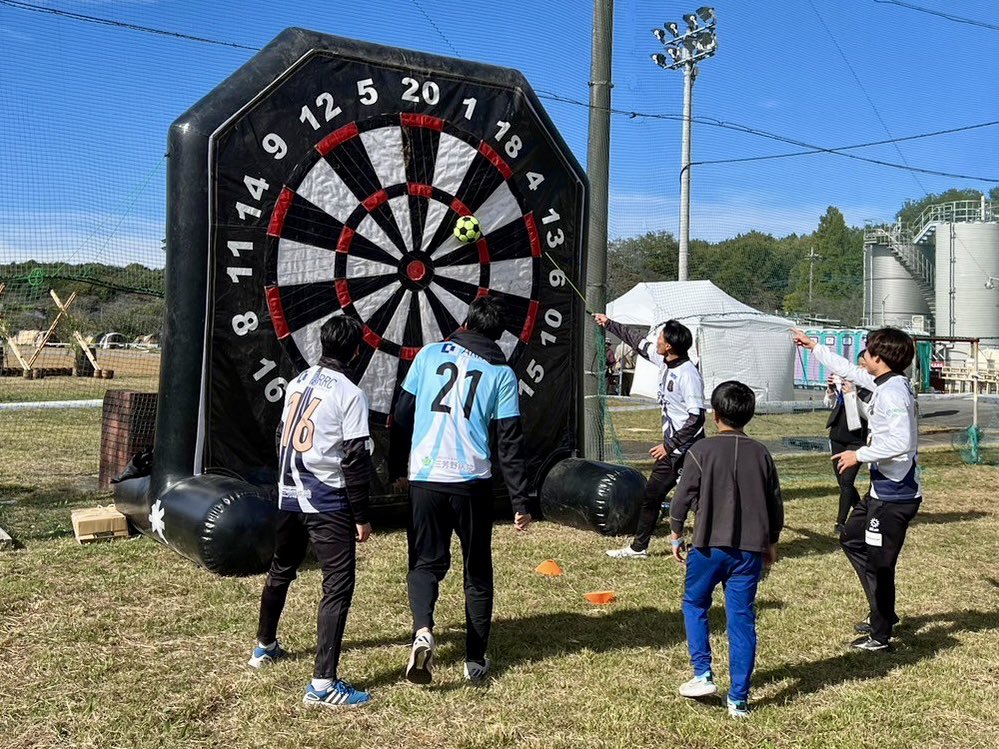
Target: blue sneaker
x,y
263,657
738,709
341,694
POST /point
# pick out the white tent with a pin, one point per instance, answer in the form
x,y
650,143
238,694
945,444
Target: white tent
x,y
732,341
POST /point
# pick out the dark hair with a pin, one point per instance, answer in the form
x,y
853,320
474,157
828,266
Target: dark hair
x,y
860,355
678,336
485,316
893,347
340,336
734,403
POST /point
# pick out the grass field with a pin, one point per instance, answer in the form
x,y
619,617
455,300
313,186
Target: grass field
x,y
128,645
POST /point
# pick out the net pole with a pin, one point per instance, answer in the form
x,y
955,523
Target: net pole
x,y
598,171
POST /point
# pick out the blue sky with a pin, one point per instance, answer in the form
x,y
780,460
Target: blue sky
x,y
85,108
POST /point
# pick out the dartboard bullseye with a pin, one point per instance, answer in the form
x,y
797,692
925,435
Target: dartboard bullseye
x,y
354,218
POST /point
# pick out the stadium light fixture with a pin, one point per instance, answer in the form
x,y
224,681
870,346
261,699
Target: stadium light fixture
x,y
706,14
686,50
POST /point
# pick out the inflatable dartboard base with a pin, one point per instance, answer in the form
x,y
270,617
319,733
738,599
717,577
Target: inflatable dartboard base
x,y
593,496
220,523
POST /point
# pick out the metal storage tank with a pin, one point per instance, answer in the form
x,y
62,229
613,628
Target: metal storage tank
x,y
891,294
967,254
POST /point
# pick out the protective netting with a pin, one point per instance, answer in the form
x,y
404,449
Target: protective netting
x,y
87,94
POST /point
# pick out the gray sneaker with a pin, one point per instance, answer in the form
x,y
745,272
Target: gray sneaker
x,y
476,672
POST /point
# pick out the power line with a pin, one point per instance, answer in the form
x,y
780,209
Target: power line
x,y
812,149
867,96
121,24
948,16
436,28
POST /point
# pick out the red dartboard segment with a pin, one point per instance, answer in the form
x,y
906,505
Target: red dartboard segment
x,y
337,137
274,306
486,150
421,120
532,316
375,200
284,202
346,237
532,232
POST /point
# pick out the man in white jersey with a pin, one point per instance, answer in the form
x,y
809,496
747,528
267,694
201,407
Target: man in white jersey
x,y
681,396
324,467
455,394
875,531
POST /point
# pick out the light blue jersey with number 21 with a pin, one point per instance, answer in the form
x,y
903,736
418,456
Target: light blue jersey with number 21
x,y
458,395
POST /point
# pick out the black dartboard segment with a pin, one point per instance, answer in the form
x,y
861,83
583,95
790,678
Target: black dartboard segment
x,y
335,189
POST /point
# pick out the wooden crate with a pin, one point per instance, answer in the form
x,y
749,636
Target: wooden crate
x,y
127,427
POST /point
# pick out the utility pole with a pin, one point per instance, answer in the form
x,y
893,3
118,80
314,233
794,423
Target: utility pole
x,y
812,257
685,51
598,171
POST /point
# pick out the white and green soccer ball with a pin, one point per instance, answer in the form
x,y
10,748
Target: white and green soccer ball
x,y
468,229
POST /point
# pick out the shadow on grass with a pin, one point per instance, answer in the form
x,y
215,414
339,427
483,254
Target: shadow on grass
x,y
542,636
940,518
809,544
919,638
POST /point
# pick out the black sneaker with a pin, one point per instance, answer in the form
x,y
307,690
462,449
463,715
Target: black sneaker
x,y
839,529
869,643
864,627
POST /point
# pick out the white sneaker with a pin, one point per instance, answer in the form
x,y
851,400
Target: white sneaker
x,y
738,710
421,659
477,672
628,553
699,686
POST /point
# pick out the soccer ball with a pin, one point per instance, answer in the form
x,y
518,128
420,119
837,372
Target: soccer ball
x,y
468,229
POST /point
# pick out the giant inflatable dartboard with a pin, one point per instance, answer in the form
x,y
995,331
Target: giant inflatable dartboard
x,y
326,177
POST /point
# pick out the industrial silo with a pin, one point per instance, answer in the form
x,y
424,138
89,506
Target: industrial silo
x,y
891,294
967,255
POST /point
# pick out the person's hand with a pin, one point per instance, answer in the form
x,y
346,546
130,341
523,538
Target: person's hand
x,y
848,386
521,520
801,338
845,460
831,383
679,549
600,319
659,452
770,556
363,532
401,484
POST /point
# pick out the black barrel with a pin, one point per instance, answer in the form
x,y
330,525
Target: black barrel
x,y
595,496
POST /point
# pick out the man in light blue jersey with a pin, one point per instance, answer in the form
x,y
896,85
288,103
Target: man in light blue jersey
x,y
456,393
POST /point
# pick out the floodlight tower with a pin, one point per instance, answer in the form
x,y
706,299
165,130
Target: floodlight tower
x,y
684,51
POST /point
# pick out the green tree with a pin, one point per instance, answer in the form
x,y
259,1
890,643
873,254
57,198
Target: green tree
x,y
837,273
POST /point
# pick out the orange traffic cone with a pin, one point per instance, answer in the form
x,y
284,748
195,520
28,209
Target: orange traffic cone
x,y
549,567
601,597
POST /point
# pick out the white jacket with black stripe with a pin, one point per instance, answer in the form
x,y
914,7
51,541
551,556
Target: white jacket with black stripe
x,y
892,446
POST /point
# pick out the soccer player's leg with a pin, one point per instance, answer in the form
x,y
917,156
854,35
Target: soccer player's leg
x,y
474,524
291,541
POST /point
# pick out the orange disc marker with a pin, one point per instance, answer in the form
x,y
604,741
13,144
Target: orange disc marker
x,y
549,567
601,597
